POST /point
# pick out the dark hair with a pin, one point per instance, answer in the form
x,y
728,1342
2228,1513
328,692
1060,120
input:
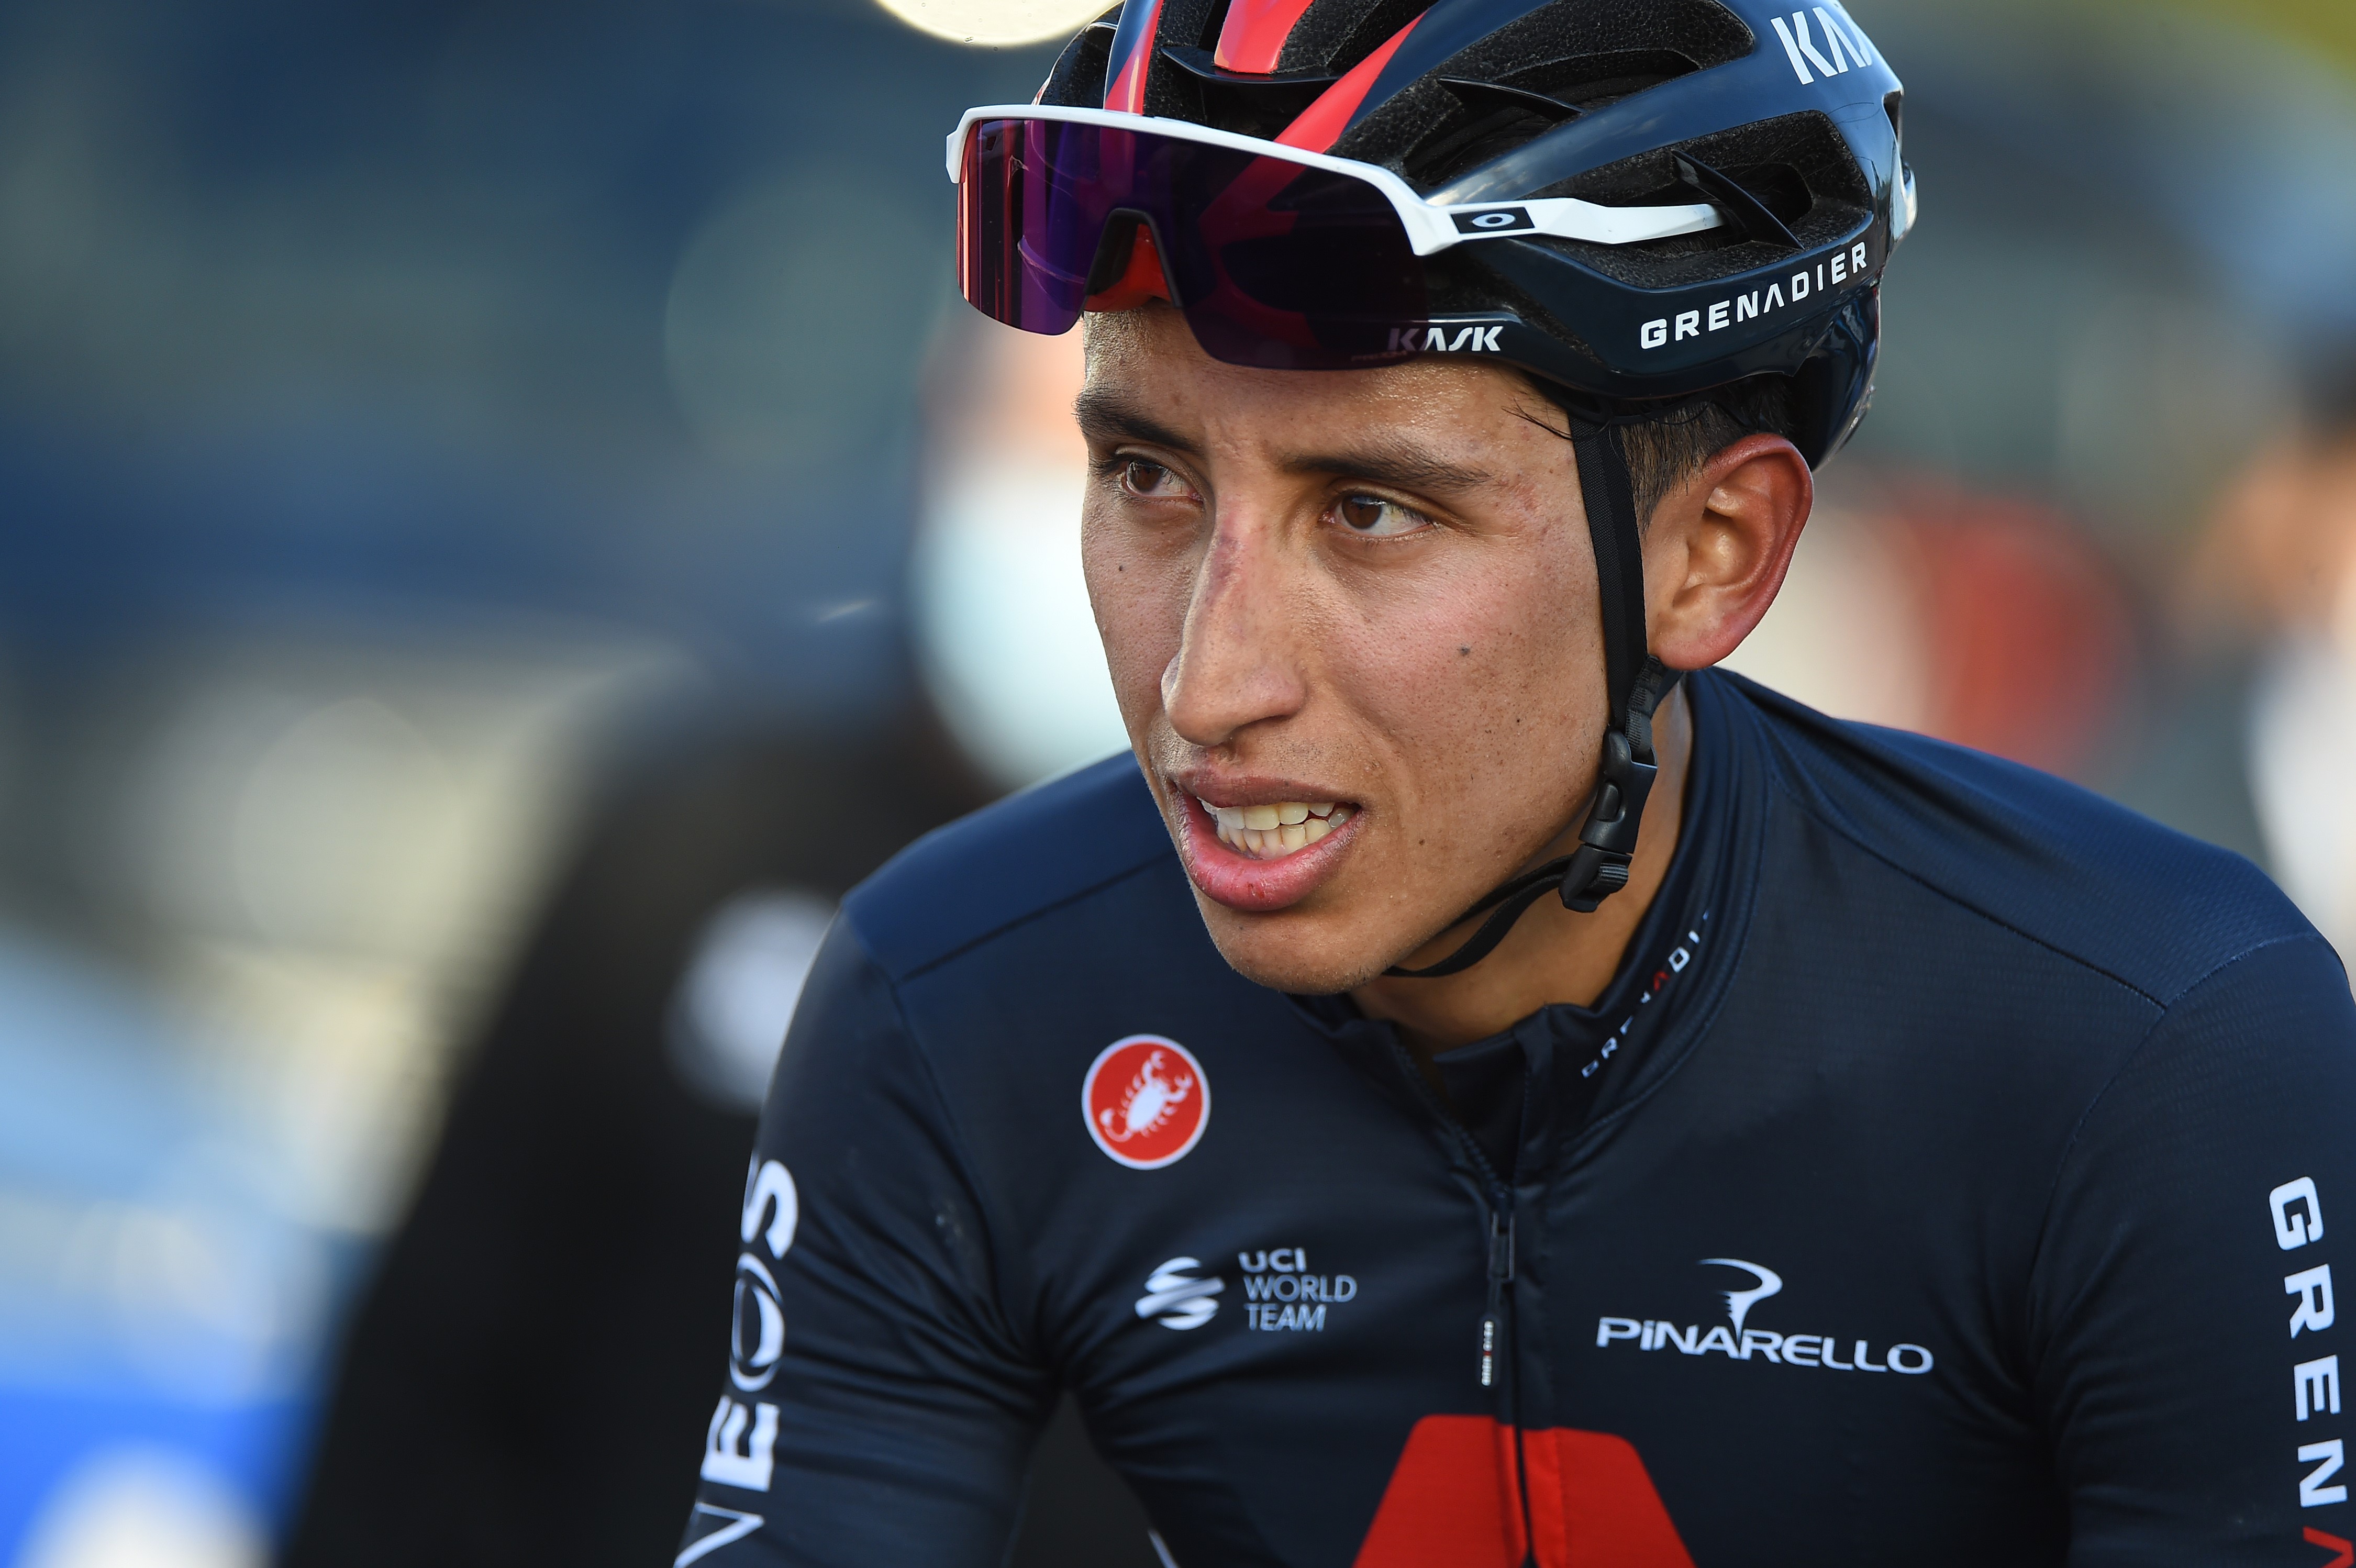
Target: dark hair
x,y
1666,448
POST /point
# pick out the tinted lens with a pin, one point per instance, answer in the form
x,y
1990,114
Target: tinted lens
x,y
1274,263
1027,228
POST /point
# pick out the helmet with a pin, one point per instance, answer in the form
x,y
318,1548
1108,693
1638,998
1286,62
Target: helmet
x,y
1788,122
1786,126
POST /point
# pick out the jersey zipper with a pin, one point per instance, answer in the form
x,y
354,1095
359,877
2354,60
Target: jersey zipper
x,y
1496,1221
1501,1274
1497,1357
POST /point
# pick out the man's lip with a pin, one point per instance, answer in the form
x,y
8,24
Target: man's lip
x,y
1257,887
1215,790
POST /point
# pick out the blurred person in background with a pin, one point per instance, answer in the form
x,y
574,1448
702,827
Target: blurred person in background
x,y
2281,559
1989,620
575,1211
1833,1022
607,1108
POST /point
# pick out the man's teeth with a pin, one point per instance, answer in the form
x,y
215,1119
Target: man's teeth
x,y
1266,833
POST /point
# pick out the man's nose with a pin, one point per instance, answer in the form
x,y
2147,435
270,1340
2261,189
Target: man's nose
x,y
1236,665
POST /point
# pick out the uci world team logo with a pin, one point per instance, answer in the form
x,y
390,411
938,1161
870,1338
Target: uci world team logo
x,y
1146,1101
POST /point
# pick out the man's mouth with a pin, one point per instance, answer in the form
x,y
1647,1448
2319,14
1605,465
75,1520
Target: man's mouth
x,y
1273,832
1268,855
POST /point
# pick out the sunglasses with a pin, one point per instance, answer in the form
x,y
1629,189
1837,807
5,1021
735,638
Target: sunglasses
x,y
1279,258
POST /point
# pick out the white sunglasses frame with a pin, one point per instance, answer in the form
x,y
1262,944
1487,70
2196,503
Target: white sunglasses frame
x,y
1430,228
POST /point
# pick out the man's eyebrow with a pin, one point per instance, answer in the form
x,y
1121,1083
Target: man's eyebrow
x,y
1106,416
1401,465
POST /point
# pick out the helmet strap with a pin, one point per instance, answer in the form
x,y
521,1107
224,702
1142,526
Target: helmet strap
x,y
1636,684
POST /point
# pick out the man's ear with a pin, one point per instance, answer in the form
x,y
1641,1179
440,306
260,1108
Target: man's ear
x,y
1719,544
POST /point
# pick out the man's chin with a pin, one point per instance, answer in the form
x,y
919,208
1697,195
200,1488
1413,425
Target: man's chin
x,y
1280,954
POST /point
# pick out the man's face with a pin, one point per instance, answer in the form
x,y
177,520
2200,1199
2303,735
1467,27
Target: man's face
x,y
1369,594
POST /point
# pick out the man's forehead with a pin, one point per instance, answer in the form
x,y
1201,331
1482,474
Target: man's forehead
x,y
1146,360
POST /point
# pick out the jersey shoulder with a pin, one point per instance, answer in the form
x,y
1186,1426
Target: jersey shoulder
x,y
2150,906
1007,863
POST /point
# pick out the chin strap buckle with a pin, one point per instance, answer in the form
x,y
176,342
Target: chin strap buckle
x,y
1607,844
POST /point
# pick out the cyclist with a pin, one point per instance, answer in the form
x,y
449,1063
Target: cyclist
x,y
1461,1093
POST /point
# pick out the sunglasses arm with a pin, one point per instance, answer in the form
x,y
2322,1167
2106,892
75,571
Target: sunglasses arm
x,y
1433,229
1430,228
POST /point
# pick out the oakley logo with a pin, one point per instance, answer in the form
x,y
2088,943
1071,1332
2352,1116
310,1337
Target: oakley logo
x,y
1502,222
1842,37
1436,340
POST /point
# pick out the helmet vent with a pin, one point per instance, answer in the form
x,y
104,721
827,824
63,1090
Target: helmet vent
x,y
1078,73
1334,34
1234,100
1592,80
1494,117
1796,166
1488,119
1582,53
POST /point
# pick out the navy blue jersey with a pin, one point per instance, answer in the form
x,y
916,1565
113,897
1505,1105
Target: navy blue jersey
x,y
1953,1174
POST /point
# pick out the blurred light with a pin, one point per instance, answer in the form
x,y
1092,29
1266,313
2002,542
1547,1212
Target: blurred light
x,y
2160,398
2285,544
334,843
1007,641
796,316
2302,744
144,1508
996,22
730,1015
345,818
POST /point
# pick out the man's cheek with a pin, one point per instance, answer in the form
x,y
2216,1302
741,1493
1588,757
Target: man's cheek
x,y
1140,627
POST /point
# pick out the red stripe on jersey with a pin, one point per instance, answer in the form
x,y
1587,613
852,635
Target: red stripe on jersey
x,y
1126,90
1457,1497
1252,38
1323,123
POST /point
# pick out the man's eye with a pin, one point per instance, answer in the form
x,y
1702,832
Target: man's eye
x,y
1373,517
1140,477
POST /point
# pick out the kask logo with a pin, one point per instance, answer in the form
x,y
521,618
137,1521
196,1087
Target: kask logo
x,y
1146,1102
1175,1298
1843,43
1476,339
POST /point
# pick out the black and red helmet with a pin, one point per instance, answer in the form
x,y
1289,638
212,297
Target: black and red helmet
x,y
1787,122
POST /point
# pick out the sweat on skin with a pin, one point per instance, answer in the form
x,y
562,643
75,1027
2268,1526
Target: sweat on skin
x,y
1368,599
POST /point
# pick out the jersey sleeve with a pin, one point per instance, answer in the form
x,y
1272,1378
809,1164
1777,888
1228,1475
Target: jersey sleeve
x,y
2186,1349
878,1407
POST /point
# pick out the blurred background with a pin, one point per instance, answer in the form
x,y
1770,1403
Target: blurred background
x,y
502,520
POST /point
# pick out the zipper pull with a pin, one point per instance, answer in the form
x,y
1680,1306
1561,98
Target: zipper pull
x,y
1501,1269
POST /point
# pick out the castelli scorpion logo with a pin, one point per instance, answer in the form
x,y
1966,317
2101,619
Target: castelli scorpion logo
x,y
1146,1101
1149,1102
